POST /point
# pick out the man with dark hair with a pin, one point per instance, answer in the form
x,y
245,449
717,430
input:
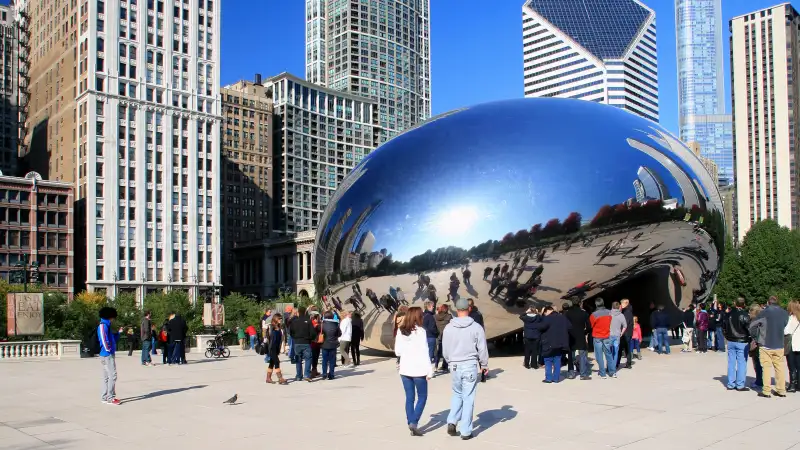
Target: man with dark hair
x,y
108,347
625,343
736,327
771,353
577,338
688,328
600,321
302,332
177,332
474,313
146,333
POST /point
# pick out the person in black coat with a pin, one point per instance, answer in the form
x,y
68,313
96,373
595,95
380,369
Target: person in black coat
x,y
625,339
577,338
331,333
357,337
531,334
555,342
177,333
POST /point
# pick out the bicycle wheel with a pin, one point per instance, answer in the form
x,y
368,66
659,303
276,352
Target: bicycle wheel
x,y
215,352
226,352
209,353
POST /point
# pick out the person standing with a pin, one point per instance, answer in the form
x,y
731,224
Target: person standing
x,y
252,334
531,334
358,336
346,338
241,335
661,329
108,348
146,333
431,332
303,333
177,332
701,324
555,341
636,338
615,332
331,334
464,349
412,348
736,328
719,334
688,329
442,318
771,354
625,343
166,343
577,338
274,339
792,331
600,321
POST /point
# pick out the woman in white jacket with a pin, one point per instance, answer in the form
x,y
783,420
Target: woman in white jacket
x,y
793,357
411,346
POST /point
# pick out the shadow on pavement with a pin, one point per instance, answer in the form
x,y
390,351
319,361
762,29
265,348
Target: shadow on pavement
x,y
160,393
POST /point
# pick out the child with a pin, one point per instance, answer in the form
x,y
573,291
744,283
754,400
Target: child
x,y
636,339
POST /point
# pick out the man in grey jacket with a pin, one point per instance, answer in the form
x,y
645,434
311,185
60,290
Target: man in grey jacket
x,y
617,329
464,349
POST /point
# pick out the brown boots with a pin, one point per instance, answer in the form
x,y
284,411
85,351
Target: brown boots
x,y
281,380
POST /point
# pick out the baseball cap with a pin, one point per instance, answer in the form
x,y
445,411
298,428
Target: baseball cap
x,y
462,304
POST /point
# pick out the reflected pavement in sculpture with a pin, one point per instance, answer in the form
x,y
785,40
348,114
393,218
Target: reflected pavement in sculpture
x,y
517,203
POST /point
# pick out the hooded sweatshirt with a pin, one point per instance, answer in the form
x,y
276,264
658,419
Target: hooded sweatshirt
x,y
347,330
442,319
618,323
464,341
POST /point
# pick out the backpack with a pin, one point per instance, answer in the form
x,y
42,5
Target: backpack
x,y
94,342
162,337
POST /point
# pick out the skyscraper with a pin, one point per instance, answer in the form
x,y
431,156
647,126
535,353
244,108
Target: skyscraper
x,y
378,49
596,50
765,81
9,86
141,82
701,88
652,184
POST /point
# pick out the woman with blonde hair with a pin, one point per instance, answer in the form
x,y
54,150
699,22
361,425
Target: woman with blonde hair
x,y
792,331
411,347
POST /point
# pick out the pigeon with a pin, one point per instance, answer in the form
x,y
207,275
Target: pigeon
x,y
232,400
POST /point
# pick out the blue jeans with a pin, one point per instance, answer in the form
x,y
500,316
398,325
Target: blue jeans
x,y
431,348
614,351
416,389
552,368
465,381
719,340
654,340
153,345
302,353
328,362
636,345
252,342
663,340
737,364
146,351
175,352
583,363
602,350
290,344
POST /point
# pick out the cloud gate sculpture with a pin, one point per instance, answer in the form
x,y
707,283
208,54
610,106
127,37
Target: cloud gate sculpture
x,y
517,203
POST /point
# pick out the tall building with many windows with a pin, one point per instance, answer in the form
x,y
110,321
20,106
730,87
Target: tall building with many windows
x,y
320,135
140,79
247,182
596,50
374,48
765,82
9,87
701,88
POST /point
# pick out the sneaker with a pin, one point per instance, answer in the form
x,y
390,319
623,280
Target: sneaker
x,y
603,377
451,429
467,437
743,389
113,402
614,376
761,394
585,378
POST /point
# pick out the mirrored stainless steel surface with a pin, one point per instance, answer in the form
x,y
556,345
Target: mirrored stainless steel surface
x,y
516,203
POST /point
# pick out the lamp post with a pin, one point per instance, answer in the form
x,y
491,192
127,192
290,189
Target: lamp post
x,y
21,274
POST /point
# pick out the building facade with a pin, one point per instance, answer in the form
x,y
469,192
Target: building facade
x,y
320,135
125,104
602,51
36,232
710,165
374,48
247,176
267,267
765,72
701,87
9,89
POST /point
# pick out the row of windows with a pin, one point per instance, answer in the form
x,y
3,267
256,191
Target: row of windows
x,y
564,82
559,76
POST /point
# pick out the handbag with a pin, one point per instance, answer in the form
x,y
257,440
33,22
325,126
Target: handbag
x,y
787,341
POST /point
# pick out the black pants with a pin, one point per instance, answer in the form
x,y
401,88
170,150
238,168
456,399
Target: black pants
x,y
531,353
793,361
355,351
624,345
315,351
702,341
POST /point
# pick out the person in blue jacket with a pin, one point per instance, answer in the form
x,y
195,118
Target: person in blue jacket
x,y
108,348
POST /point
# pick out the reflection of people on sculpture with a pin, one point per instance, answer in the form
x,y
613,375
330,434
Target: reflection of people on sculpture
x,y
454,284
516,261
486,272
504,269
432,294
373,298
497,270
466,274
393,292
388,303
495,284
401,297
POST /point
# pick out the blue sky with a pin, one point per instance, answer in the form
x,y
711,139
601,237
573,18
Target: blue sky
x,y
476,47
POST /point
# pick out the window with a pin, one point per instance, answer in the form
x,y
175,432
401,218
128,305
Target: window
x,y
101,26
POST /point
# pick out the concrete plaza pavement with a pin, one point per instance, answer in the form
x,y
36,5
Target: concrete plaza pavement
x,y
665,402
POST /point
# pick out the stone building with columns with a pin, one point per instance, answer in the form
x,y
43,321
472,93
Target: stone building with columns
x,y
266,267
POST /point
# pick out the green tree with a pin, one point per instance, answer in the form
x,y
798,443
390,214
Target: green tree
x,y
241,311
730,281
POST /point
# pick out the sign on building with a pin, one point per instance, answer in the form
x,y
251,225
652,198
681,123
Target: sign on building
x,y
213,314
25,314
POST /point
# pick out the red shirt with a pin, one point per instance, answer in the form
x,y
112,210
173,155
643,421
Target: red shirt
x,y
251,330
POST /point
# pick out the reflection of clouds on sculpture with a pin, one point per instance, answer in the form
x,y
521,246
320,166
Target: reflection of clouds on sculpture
x,y
525,180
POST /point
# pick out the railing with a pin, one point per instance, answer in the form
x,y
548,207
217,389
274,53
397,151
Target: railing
x,y
30,350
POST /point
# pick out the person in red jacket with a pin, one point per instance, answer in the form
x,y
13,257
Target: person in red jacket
x,y
600,321
251,331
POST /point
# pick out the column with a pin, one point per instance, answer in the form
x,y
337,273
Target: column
x,y
299,265
309,267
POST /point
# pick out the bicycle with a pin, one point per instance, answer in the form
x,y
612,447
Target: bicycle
x,y
217,348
